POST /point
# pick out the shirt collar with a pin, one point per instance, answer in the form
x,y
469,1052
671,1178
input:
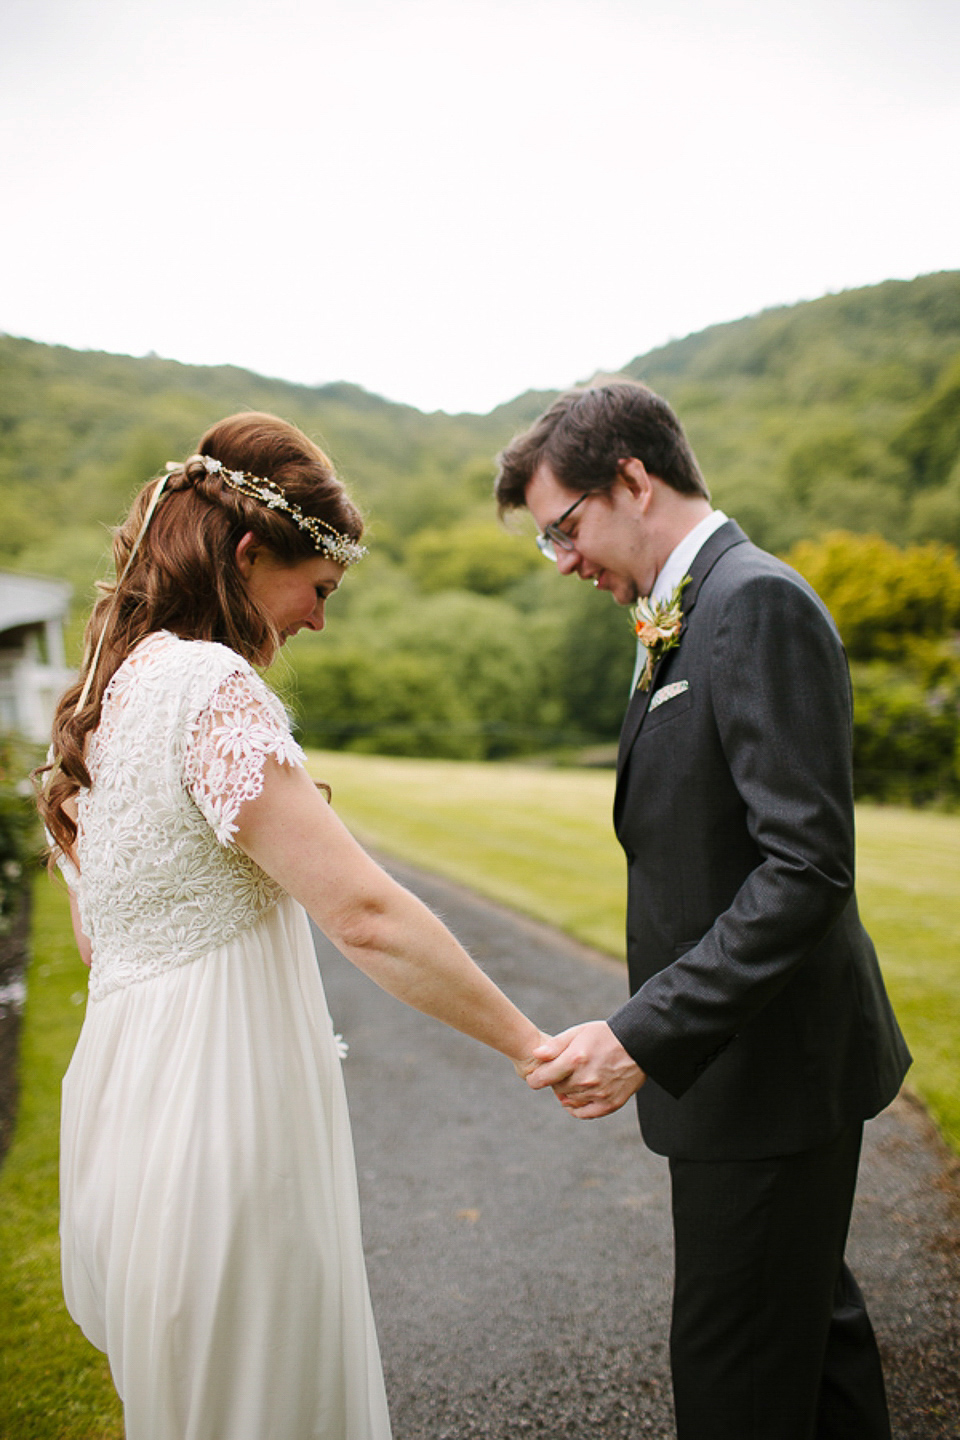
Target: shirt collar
x,y
682,556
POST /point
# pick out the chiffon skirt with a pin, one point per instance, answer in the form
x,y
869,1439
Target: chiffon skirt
x,y
210,1228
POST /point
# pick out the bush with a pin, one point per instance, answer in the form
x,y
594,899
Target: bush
x,y
378,701
20,838
898,612
882,597
906,738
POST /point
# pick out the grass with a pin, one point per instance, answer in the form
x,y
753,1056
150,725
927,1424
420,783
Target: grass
x,y
909,890
537,840
541,841
53,1384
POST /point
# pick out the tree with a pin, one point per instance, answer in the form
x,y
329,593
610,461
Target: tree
x,y
479,556
930,440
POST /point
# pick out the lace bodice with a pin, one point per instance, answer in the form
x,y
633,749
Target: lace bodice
x,y
184,734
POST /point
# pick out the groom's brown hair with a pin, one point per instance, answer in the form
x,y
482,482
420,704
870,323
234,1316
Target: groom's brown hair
x,y
586,432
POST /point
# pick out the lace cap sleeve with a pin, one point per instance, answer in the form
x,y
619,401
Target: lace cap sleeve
x,y
227,745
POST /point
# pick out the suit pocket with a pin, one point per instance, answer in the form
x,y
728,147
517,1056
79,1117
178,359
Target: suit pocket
x,y
668,710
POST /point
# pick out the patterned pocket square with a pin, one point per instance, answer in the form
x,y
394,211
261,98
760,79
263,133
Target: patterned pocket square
x,y
669,692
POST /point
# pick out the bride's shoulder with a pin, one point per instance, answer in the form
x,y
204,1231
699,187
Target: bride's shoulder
x,y
162,648
208,654
177,667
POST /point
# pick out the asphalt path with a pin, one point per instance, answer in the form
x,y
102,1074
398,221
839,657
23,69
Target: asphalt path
x,y
520,1260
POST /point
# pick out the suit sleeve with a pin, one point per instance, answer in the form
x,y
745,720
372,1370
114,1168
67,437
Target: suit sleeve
x,y
782,708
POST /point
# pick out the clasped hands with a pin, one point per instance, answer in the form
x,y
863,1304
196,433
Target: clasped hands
x,y
589,1070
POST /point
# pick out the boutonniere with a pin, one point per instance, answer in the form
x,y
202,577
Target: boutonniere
x,y
658,626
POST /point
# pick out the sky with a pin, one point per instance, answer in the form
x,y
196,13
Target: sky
x,y
449,202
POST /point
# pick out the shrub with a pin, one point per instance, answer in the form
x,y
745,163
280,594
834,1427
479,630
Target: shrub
x,y
20,838
906,746
882,597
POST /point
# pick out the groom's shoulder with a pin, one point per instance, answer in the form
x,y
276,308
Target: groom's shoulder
x,y
741,561
743,573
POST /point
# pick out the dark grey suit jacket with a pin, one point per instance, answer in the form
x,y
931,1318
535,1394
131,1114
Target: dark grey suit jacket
x,y
757,1010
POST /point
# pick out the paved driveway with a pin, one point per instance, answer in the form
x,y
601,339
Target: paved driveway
x,y
520,1260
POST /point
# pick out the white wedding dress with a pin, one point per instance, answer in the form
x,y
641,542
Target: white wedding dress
x,y
210,1227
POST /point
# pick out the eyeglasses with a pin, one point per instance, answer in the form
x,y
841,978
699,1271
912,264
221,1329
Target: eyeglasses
x,y
553,537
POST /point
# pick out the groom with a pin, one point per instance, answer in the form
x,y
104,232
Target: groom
x,y
758,1036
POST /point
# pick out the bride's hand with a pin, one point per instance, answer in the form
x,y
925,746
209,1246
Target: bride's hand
x,y
529,1063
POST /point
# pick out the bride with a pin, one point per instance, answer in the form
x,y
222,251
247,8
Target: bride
x,y
209,1222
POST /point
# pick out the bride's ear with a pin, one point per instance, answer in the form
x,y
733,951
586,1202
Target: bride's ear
x,y
246,553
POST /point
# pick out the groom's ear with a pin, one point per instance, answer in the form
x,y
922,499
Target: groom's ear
x,y
635,477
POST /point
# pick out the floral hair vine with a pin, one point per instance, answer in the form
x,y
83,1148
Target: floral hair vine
x,y
338,547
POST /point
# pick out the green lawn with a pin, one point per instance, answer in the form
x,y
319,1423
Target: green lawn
x,y
540,840
909,889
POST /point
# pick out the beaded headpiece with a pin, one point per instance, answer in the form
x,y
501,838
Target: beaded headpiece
x,y
338,547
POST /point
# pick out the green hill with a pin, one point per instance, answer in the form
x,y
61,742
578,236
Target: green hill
x,y
842,412
81,431
838,414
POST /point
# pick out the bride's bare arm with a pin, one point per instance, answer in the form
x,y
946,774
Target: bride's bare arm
x,y
291,832
83,943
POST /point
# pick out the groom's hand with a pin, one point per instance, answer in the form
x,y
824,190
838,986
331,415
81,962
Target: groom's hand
x,y
589,1070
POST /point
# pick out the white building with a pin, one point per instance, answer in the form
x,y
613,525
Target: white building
x,y
33,668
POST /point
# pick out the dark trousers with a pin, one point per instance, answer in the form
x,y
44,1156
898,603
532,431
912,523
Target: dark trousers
x,y
770,1337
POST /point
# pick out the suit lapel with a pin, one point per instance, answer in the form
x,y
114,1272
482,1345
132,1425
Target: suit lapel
x,y
706,557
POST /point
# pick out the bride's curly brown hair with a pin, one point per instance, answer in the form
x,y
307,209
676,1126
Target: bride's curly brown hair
x,y
184,577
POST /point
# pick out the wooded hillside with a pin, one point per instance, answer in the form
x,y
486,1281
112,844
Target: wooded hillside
x,y
454,637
